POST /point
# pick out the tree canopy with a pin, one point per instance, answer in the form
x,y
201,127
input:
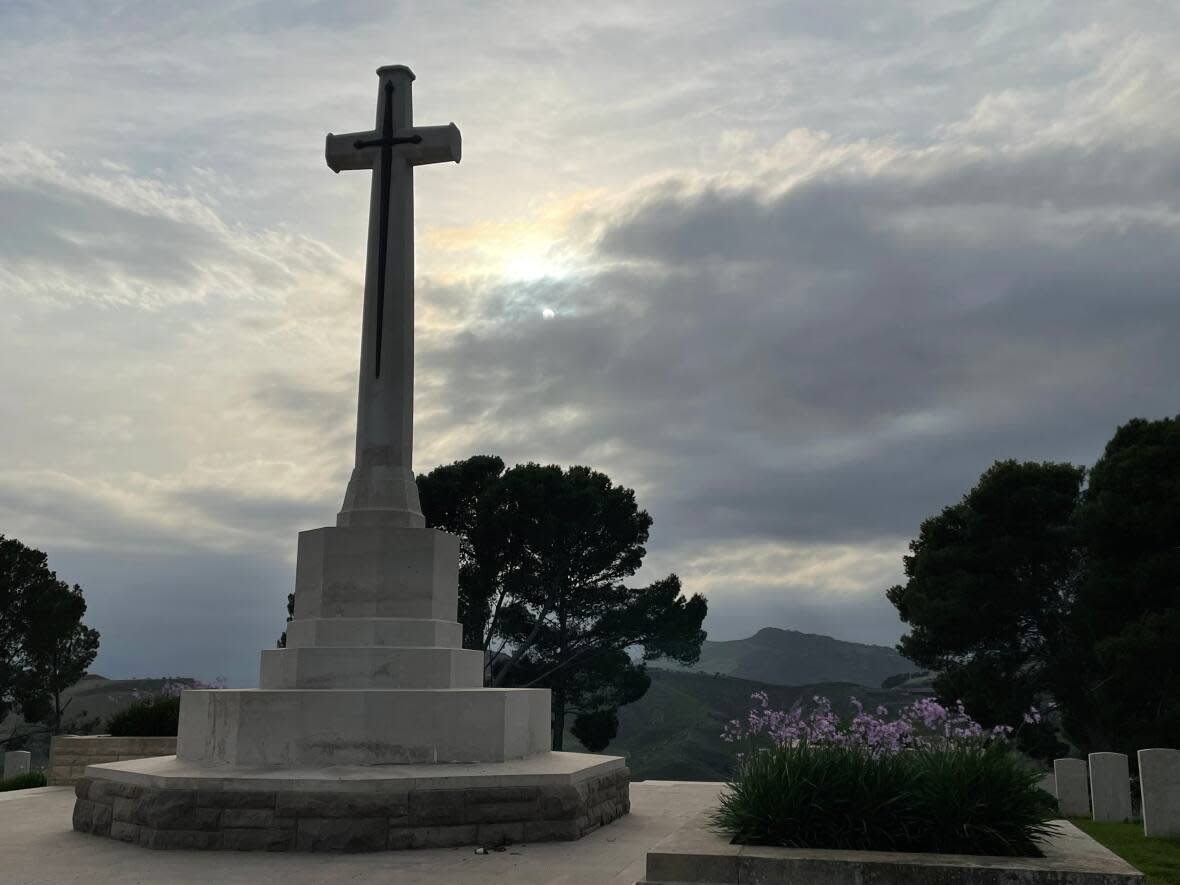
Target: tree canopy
x,y
545,553
1128,615
1039,588
44,646
990,582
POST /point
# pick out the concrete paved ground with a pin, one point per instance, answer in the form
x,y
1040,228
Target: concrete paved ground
x,y
38,847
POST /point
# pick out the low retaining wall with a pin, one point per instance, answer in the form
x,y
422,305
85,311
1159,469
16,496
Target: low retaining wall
x,y
69,754
698,853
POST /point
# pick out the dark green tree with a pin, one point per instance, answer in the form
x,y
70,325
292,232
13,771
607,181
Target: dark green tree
x,y
991,584
546,552
44,646
452,497
1128,615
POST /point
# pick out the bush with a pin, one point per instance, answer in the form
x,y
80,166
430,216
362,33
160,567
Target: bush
x,y
150,717
23,782
946,799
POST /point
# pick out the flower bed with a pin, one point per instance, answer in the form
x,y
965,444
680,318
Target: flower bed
x,y
929,779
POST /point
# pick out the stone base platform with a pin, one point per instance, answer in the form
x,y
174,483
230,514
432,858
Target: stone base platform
x,y
166,803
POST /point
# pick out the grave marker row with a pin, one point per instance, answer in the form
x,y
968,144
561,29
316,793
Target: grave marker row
x,y
1101,788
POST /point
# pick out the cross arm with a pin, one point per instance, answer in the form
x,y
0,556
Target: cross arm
x,y
342,153
439,144
418,146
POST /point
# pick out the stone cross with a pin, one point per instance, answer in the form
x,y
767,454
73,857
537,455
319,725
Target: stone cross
x,y
381,491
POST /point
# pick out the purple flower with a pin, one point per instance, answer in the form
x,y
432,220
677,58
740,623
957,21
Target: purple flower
x,y
924,723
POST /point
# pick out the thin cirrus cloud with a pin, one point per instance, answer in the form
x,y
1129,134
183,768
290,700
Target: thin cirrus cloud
x,y
797,274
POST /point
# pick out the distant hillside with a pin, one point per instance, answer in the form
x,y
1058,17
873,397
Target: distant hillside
x,y
674,731
787,657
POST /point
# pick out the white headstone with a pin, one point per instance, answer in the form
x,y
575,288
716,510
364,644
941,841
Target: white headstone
x,y
1159,785
1073,794
1048,783
1110,786
17,762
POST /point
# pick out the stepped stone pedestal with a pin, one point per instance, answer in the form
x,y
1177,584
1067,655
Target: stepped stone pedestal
x,y
370,730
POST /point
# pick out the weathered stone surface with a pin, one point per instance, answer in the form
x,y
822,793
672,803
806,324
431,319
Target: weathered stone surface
x,y
125,810
340,805
400,838
83,816
370,667
551,831
125,832
274,839
248,818
429,807
377,572
235,799
165,839
350,834
493,835
108,791
497,812
175,810
483,795
1110,786
443,837
561,803
1159,785
358,632
1073,792
263,728
335,820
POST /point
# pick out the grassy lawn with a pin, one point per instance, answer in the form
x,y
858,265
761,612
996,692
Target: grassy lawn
x,y
1158,858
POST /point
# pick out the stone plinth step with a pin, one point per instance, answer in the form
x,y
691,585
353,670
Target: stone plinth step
x,y
294,727
377,572
167,803
392,632
371,667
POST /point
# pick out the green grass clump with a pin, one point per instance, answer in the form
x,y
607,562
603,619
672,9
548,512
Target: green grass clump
x,y
150,717
958,800
23,782
1158,858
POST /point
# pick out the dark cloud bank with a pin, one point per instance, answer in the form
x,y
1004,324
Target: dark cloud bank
x,y
834,362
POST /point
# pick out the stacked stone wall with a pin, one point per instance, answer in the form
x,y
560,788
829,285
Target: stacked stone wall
x,y
342,821
70,754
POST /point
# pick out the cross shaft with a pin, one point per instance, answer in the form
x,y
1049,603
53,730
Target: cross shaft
x,y
381,490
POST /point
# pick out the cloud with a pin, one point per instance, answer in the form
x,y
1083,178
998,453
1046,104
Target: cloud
x,y
834,359
811,269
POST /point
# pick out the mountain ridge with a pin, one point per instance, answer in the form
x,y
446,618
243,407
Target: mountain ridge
x,y
783,656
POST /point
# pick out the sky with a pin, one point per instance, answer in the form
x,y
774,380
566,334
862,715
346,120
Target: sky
x,y
796,272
